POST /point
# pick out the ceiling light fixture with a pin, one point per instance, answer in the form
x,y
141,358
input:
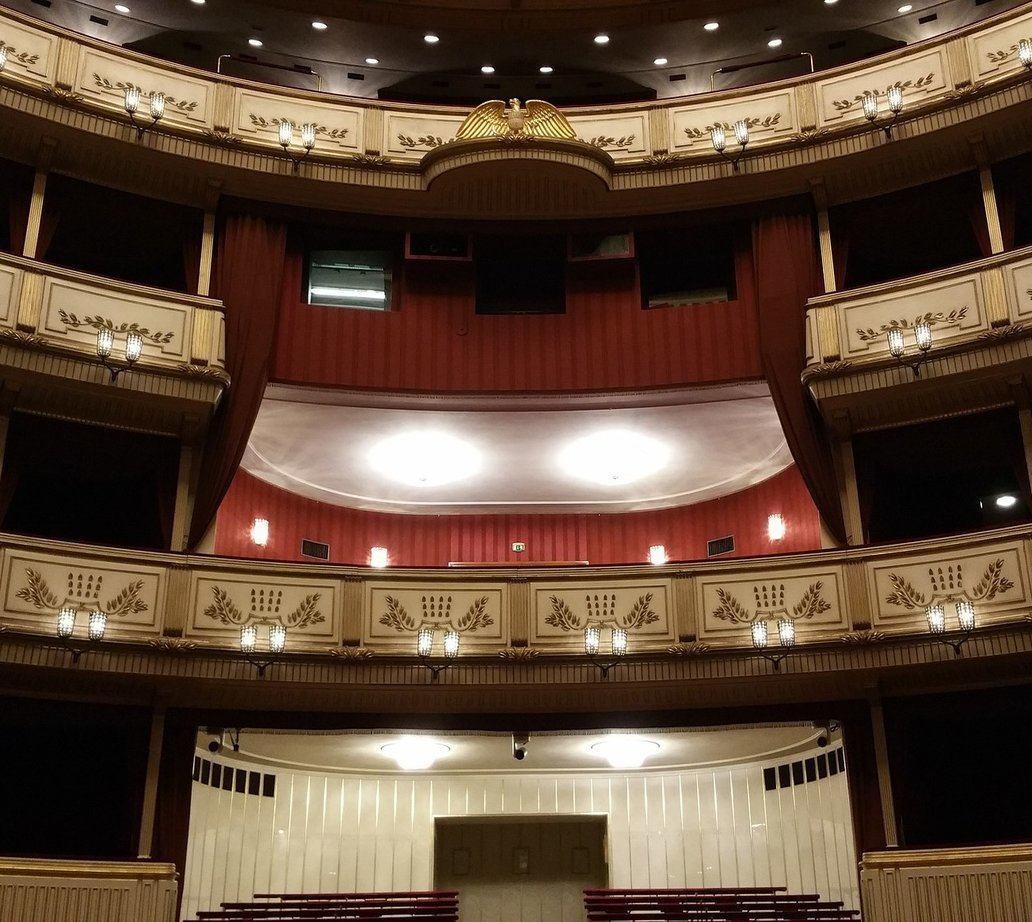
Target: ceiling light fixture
x,y
372,61
425,459
623,751
1006,500
198,2
487,69
319,25
659,62
255,42
906,8
415,753
431,39
774,43
613,457
711,26
602,39
545,69
122,8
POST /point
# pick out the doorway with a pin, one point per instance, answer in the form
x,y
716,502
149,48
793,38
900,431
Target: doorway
x,y
520,869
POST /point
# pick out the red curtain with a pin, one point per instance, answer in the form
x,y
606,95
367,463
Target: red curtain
x,y
249,271
175,787
786,274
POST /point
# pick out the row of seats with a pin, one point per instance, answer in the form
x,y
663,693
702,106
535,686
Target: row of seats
x,y
411,906
713,904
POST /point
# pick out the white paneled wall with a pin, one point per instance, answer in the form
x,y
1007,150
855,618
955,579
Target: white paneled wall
x,y
361,832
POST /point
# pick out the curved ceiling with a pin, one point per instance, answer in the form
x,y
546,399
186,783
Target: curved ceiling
x,y
515,455
516,39
483,753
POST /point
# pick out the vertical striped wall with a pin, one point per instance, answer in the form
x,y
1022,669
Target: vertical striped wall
x,y
361,832
434,541
436,340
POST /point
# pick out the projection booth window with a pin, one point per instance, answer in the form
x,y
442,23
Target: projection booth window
x,y
355,279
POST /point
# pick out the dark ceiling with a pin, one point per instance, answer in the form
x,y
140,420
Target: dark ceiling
x,y
516,37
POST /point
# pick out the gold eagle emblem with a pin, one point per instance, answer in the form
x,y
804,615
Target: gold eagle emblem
x,y
495,119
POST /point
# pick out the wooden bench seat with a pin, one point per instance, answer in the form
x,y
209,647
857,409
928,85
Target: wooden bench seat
x,y
404,906
712,904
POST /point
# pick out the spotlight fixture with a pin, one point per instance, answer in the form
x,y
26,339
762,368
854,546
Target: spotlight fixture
x,y
964,609
774,43
131,104
379,558
425,640
122,8
870,104
105,346
660,62
545,69
1006,501
712,26
601,39
775,526
718,137
319,25
761,640
657,555
260,532
617,646
1025,52
905,8
487,69
372,61
276,642
431,39
96,627
286,139
897,346
255,42
623,751
415,753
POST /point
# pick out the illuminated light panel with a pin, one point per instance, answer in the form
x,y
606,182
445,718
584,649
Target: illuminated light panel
x,y
614,457
1006,500
711,26
622,751
776,526
260,532
415,753
774,43
379,557
659,62
657,555
425,459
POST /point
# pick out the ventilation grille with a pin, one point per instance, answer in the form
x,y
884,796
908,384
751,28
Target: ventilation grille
x,y
238,780
315,549
719,546
805,770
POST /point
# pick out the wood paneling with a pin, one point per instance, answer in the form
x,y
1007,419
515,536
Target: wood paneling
x,y
426,540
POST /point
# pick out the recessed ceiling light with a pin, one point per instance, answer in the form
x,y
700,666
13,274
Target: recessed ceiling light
x,y
659,62
425,459
711,26
830,2
624,751
372,60
255,42
545,69
431,39
602,39
906,8
318,25
1006,500
613,457
121,8
415,753
487,69
198,2
774,43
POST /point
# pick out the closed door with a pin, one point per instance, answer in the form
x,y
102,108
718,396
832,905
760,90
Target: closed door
x,y
523,871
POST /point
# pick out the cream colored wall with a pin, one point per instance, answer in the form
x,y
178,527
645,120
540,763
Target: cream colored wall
x,y
362,832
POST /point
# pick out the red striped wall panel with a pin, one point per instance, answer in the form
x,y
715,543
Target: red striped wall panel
x,y
435,541
436,341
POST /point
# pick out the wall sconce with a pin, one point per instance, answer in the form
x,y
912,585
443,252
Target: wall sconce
x,y
898,348
786,640
96,627
870,105
657,555
379,557
156,106
1024,53
936,615
106,344
617,647
260,532
719,138
776,526
286,139
425,647
276,644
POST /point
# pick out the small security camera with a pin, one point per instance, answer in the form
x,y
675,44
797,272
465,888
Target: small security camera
x,y
520,742
215,743
215,746
822,740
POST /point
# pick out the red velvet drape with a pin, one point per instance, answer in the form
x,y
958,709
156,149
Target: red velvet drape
x,y
175,787
786,274
249,271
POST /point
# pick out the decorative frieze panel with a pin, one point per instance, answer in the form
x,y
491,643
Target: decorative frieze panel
x,y
103,78
1019,288
562,611
38,586
31,53
623,137
812,598
769,117
994,580
921,77
395,613
221,604
994,51
409,136
337,127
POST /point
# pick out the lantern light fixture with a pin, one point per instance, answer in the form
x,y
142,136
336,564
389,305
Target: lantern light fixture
x,y
131,100
379,558
96,627
286,140
776,527
105,347
452,639
618,646
870,104
426,639
66,622
1025,53
260,532
718,138
760,632
276,642
896,341
658,555
3,56
939,629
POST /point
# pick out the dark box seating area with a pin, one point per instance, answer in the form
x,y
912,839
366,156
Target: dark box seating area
x,y
414,906
740,904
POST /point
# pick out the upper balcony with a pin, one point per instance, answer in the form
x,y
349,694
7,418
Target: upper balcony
x,y
625,158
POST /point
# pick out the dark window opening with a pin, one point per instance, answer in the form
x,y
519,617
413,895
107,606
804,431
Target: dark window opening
x,y
956,475
15,194
351,269
686,266
1013,183
119,235
520,274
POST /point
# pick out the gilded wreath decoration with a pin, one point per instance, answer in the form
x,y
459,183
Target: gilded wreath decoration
x,y
97,322
126,601
932,318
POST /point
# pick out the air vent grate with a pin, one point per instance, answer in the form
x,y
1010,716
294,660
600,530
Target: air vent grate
x,y
316,549
719,546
